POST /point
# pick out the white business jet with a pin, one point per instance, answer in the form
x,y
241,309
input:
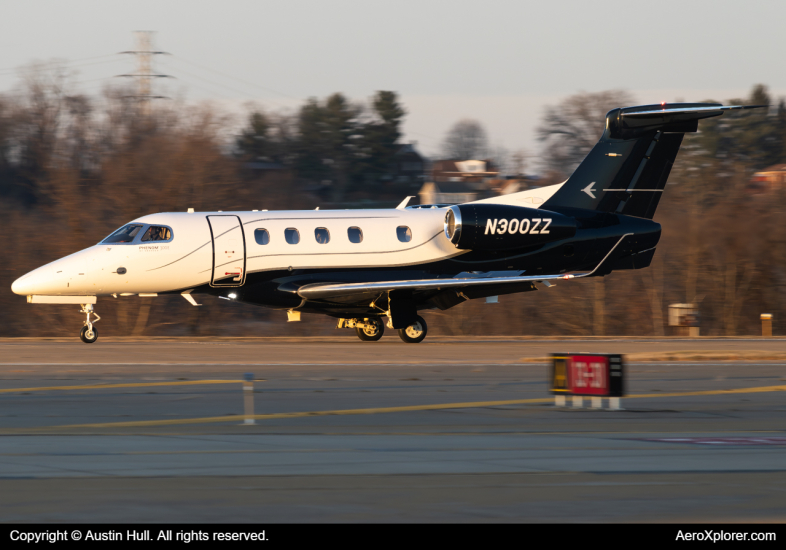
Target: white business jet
x,y
362,266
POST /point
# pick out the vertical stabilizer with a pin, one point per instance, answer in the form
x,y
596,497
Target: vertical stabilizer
x,y
627,169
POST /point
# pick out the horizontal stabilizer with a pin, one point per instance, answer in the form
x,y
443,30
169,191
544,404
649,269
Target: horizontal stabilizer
x,y
630,122
671,110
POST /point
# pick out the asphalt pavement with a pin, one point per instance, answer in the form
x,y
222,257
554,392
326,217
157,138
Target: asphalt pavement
x,y
345,431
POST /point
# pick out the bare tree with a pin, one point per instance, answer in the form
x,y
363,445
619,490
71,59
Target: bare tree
x,y
466,140
572,128
518,161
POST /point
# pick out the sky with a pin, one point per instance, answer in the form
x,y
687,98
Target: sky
x,y
497,61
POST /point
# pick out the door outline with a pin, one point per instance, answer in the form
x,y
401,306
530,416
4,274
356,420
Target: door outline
x,y
213,244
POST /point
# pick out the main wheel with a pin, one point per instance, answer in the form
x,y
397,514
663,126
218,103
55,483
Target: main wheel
x,y
88,336
414,333
372,332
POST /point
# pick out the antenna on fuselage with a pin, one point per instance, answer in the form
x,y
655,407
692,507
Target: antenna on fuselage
x,y
403,204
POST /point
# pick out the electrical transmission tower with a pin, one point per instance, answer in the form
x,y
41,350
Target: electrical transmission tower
x,y
144,69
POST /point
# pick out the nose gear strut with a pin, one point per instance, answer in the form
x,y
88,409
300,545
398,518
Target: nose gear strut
x,y
89,333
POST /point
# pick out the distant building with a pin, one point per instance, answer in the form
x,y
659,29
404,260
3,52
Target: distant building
x,y
463,170
452,192
409,166
461,181
769,180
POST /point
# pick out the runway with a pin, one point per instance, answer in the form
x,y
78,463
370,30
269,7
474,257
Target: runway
x,y
347,431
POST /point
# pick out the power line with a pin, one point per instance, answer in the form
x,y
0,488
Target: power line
x,y
144,71
17,70
213,83
235,78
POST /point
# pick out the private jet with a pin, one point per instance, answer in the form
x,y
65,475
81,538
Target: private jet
x,y
364,266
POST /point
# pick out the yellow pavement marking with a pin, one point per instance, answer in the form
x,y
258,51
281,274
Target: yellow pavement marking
x,y
129,385
760,389
380,410
239,417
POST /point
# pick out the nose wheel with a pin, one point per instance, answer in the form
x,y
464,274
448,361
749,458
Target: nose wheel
x,y
89,333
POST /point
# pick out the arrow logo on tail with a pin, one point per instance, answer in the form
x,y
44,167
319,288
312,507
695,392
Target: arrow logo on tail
x,y
589,190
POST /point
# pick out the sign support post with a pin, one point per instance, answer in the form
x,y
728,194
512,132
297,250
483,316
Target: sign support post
x,y
248,398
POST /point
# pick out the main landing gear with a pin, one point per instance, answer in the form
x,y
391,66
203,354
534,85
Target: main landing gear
x,y
368,330
414,333
371,329
89,333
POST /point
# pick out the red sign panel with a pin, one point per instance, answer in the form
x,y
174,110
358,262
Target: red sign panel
x,y
588,374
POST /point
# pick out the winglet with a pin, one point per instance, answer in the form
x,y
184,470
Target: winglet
x,y
605,259
404,203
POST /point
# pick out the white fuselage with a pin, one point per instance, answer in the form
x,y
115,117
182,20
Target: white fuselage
x,y
208,246
187,260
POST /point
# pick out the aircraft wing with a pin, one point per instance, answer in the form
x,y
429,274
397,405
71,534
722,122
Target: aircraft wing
x,y
327,291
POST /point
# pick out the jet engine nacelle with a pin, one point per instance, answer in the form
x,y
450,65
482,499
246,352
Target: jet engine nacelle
x,y
501,227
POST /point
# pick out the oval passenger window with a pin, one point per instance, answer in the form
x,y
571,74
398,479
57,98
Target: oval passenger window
x,y
292,236
261,236
322,235
404,233
355,235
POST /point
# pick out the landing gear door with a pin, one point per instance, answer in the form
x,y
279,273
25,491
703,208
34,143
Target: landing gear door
x,y
229,251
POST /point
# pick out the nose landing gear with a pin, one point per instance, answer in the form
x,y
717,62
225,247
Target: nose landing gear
x,y
89,333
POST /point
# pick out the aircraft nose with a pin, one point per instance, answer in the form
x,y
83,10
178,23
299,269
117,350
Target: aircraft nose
x,y
27,284
21,285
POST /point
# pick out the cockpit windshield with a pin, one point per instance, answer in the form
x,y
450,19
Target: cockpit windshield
x,y
125,234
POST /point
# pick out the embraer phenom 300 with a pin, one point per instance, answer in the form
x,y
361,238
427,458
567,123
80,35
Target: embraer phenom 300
x,y
361,266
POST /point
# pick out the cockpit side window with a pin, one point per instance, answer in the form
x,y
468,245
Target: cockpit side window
x,y
157,233
125,234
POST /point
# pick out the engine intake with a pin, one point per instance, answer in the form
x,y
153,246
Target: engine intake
x,y
502,227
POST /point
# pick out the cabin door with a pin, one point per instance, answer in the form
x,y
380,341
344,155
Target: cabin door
x,y
229,251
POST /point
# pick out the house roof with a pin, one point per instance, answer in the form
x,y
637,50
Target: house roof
x,y
465,167
454,187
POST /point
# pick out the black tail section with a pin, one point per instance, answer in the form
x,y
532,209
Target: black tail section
x,y
627,170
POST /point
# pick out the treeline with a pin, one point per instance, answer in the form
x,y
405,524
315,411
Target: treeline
x,y
335,141
722,246
74,167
